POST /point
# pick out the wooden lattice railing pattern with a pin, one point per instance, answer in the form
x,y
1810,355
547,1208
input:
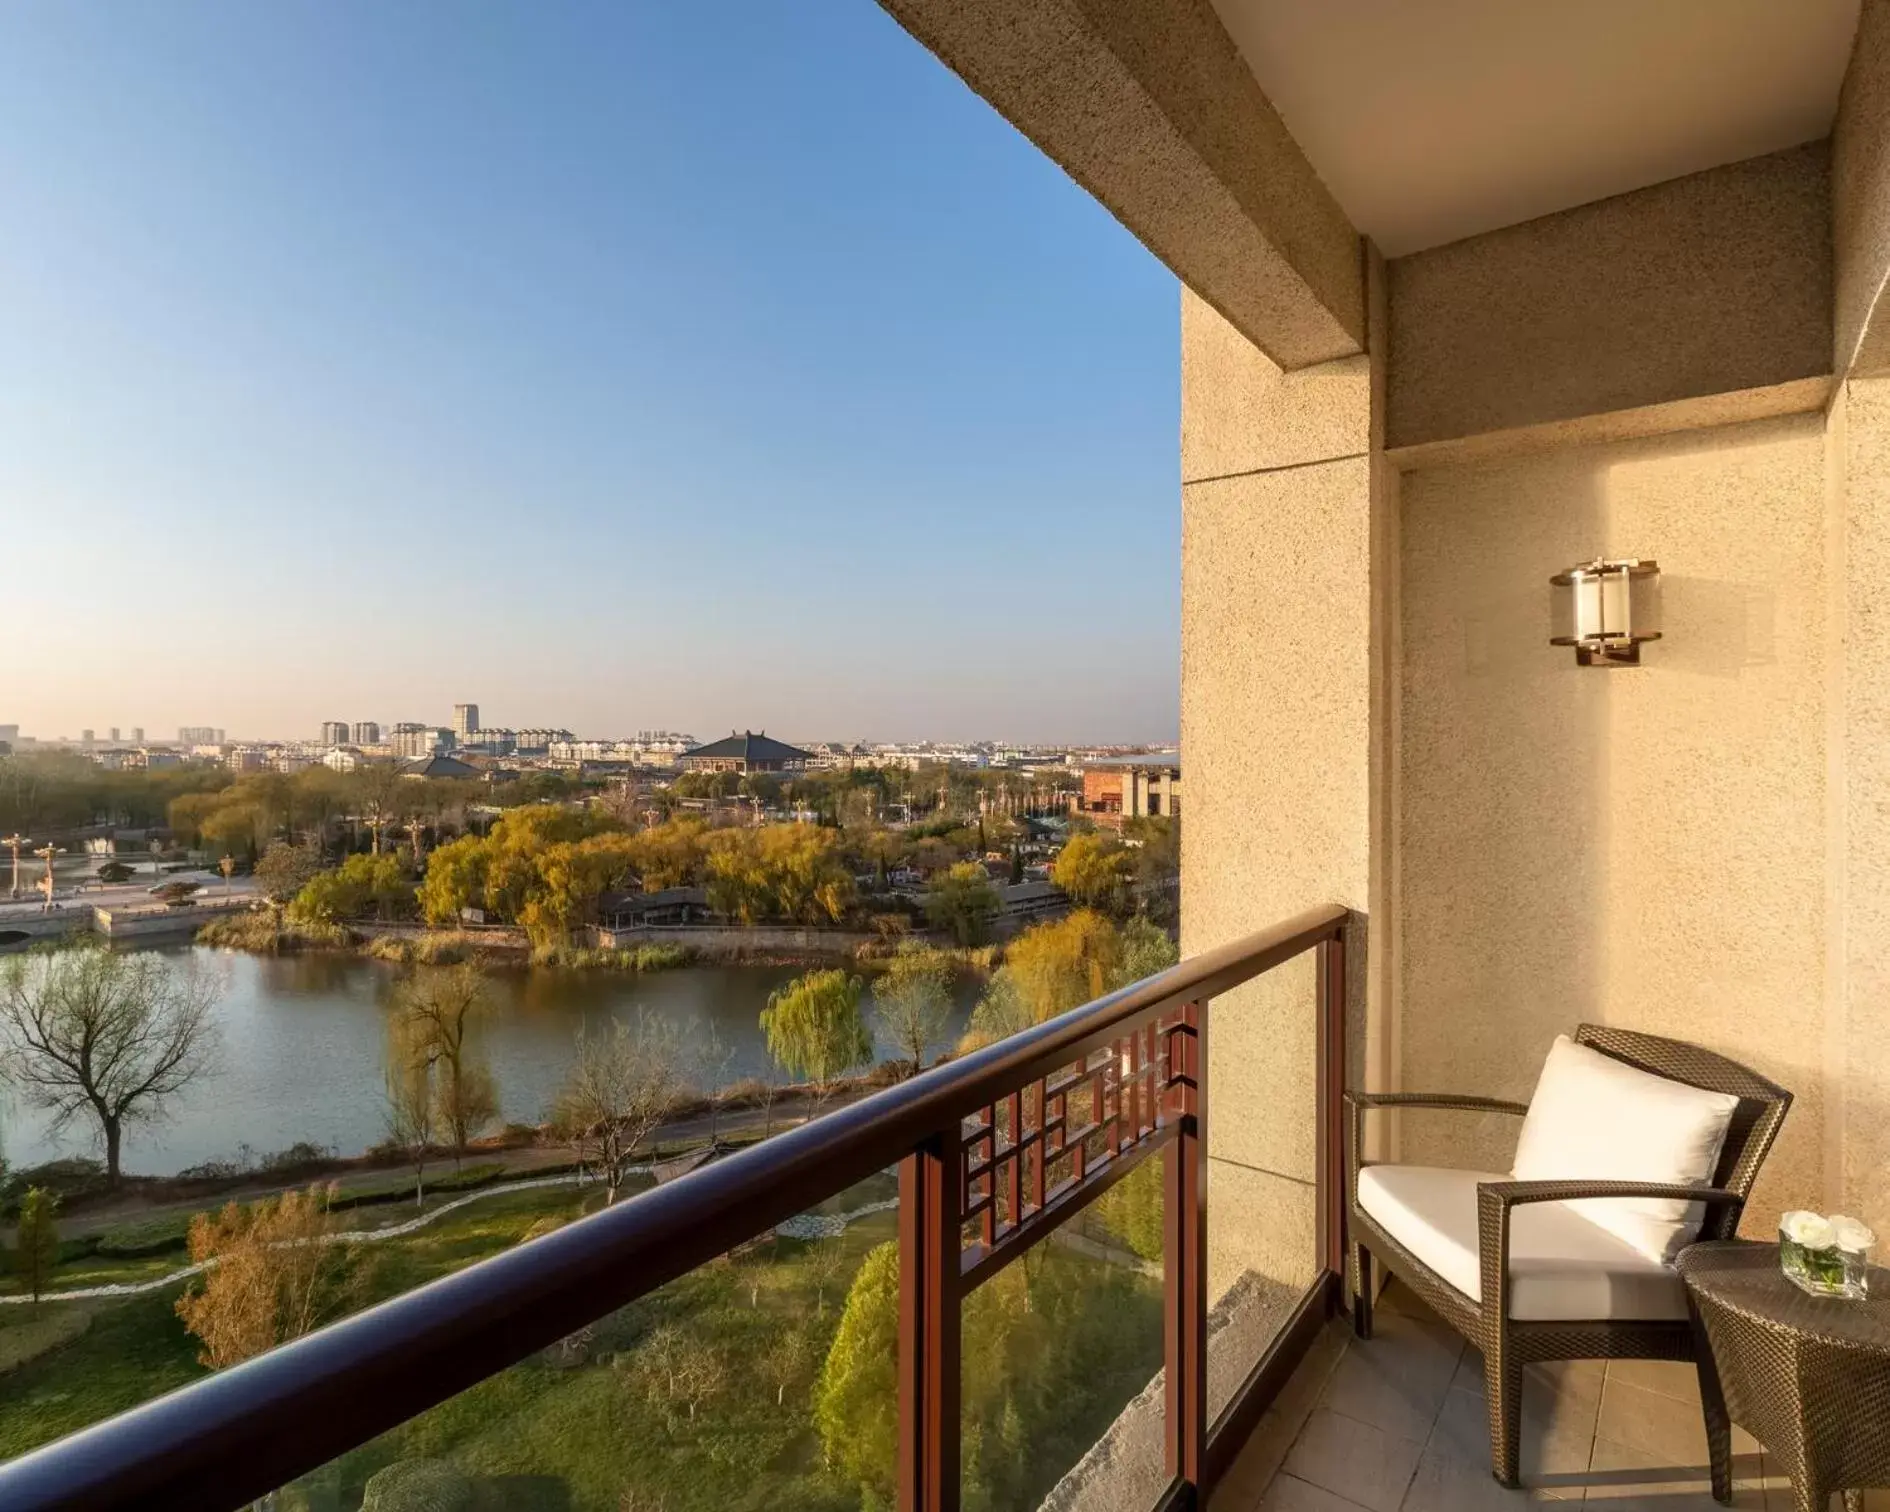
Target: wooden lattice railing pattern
x,y
1031,1159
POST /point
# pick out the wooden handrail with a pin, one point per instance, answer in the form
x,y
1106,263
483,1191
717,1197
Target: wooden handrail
x,y
225,1440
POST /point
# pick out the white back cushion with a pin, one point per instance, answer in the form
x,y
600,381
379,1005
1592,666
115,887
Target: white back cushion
x,y
1594,1118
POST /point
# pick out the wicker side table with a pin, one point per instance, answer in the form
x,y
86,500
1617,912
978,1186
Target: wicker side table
x,y
1809,1377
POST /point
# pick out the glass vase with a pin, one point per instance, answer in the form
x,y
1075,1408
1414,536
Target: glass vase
x,y
1827,1271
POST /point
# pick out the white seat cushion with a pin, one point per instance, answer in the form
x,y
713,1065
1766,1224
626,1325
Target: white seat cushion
x,y
1562,1266
1594,1118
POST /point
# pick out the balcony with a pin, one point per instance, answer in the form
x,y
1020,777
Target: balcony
x,y
997,1154
1236,1386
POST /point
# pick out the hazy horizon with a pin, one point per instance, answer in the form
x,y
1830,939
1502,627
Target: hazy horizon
x,y
615,366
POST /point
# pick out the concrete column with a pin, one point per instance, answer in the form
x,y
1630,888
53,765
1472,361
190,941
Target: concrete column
x,y
1276,712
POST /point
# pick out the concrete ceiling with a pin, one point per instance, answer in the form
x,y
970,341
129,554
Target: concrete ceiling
x,y
1432,120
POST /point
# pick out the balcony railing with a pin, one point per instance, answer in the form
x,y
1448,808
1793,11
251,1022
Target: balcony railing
x,y
995,1151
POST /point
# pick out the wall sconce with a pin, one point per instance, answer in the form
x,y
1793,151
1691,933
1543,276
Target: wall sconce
x,y
1605,609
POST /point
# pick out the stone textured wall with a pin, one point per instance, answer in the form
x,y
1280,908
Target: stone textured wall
x,y
1715,282
1275,715
1860,200
1635,846
1858,1036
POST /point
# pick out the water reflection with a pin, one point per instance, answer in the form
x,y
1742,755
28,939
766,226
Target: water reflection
x,y
303,1038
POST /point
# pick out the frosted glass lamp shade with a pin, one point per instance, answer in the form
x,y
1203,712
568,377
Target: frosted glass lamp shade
x,y
1606,609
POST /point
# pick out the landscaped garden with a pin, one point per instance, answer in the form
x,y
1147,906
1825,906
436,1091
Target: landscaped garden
x,y
761,1381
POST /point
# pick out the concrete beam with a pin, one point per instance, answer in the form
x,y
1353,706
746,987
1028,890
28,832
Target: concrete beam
x,y
1148,105
1706,285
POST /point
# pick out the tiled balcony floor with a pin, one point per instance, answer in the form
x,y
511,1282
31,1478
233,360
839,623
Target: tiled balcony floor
x,y
1397,1425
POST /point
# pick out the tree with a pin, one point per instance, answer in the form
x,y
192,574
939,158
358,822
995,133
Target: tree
x,y
856,1401
455,880
286,869
412,1098
623,1085
675,1366
963,902
381,793
814,1029
273,1272
1094,870
826,1264
115,871
113,1036
36,1245
359,885
913,1000
442,1005
786,1362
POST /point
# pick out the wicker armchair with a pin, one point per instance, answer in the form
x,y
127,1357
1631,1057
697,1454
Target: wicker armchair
x,y
1508,1343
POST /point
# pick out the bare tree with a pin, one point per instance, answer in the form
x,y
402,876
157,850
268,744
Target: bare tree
x,y
412,1100
826,1264
787,1362
384,794
623,1085
111,1036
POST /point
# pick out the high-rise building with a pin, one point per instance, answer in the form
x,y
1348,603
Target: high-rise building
x,y
137,734
85,737
465,720
422,741
195,735
366,732
112,734
334,732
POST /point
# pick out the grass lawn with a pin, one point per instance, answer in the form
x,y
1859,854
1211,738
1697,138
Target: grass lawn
x,y
607,1421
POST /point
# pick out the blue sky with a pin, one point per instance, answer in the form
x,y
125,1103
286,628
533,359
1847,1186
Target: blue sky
x,y
614,364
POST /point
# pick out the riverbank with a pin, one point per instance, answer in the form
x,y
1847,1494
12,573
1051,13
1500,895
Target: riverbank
x,y
86,1208
263,932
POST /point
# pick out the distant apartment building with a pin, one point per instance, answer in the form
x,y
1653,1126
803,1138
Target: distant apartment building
x,y
343,759
334,732
746,752
422,740
199,735
137,735
362,732
488,742
249,759
465,720
540,740
85,737
1130,787
591,750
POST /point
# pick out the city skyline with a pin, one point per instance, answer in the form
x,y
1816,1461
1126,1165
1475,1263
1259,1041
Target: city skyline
x,y
635,366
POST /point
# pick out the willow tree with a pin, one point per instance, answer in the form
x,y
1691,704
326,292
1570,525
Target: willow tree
x,y
441,1007
104,1037
815,1031
913,1000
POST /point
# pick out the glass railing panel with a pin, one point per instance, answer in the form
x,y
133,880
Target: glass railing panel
x,y
750,1383
1062,1402
1262,1166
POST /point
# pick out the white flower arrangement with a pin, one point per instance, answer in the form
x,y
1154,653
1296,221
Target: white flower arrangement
x,y
1828,1257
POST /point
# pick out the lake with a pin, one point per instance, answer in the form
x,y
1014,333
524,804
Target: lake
x,y
303,1044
